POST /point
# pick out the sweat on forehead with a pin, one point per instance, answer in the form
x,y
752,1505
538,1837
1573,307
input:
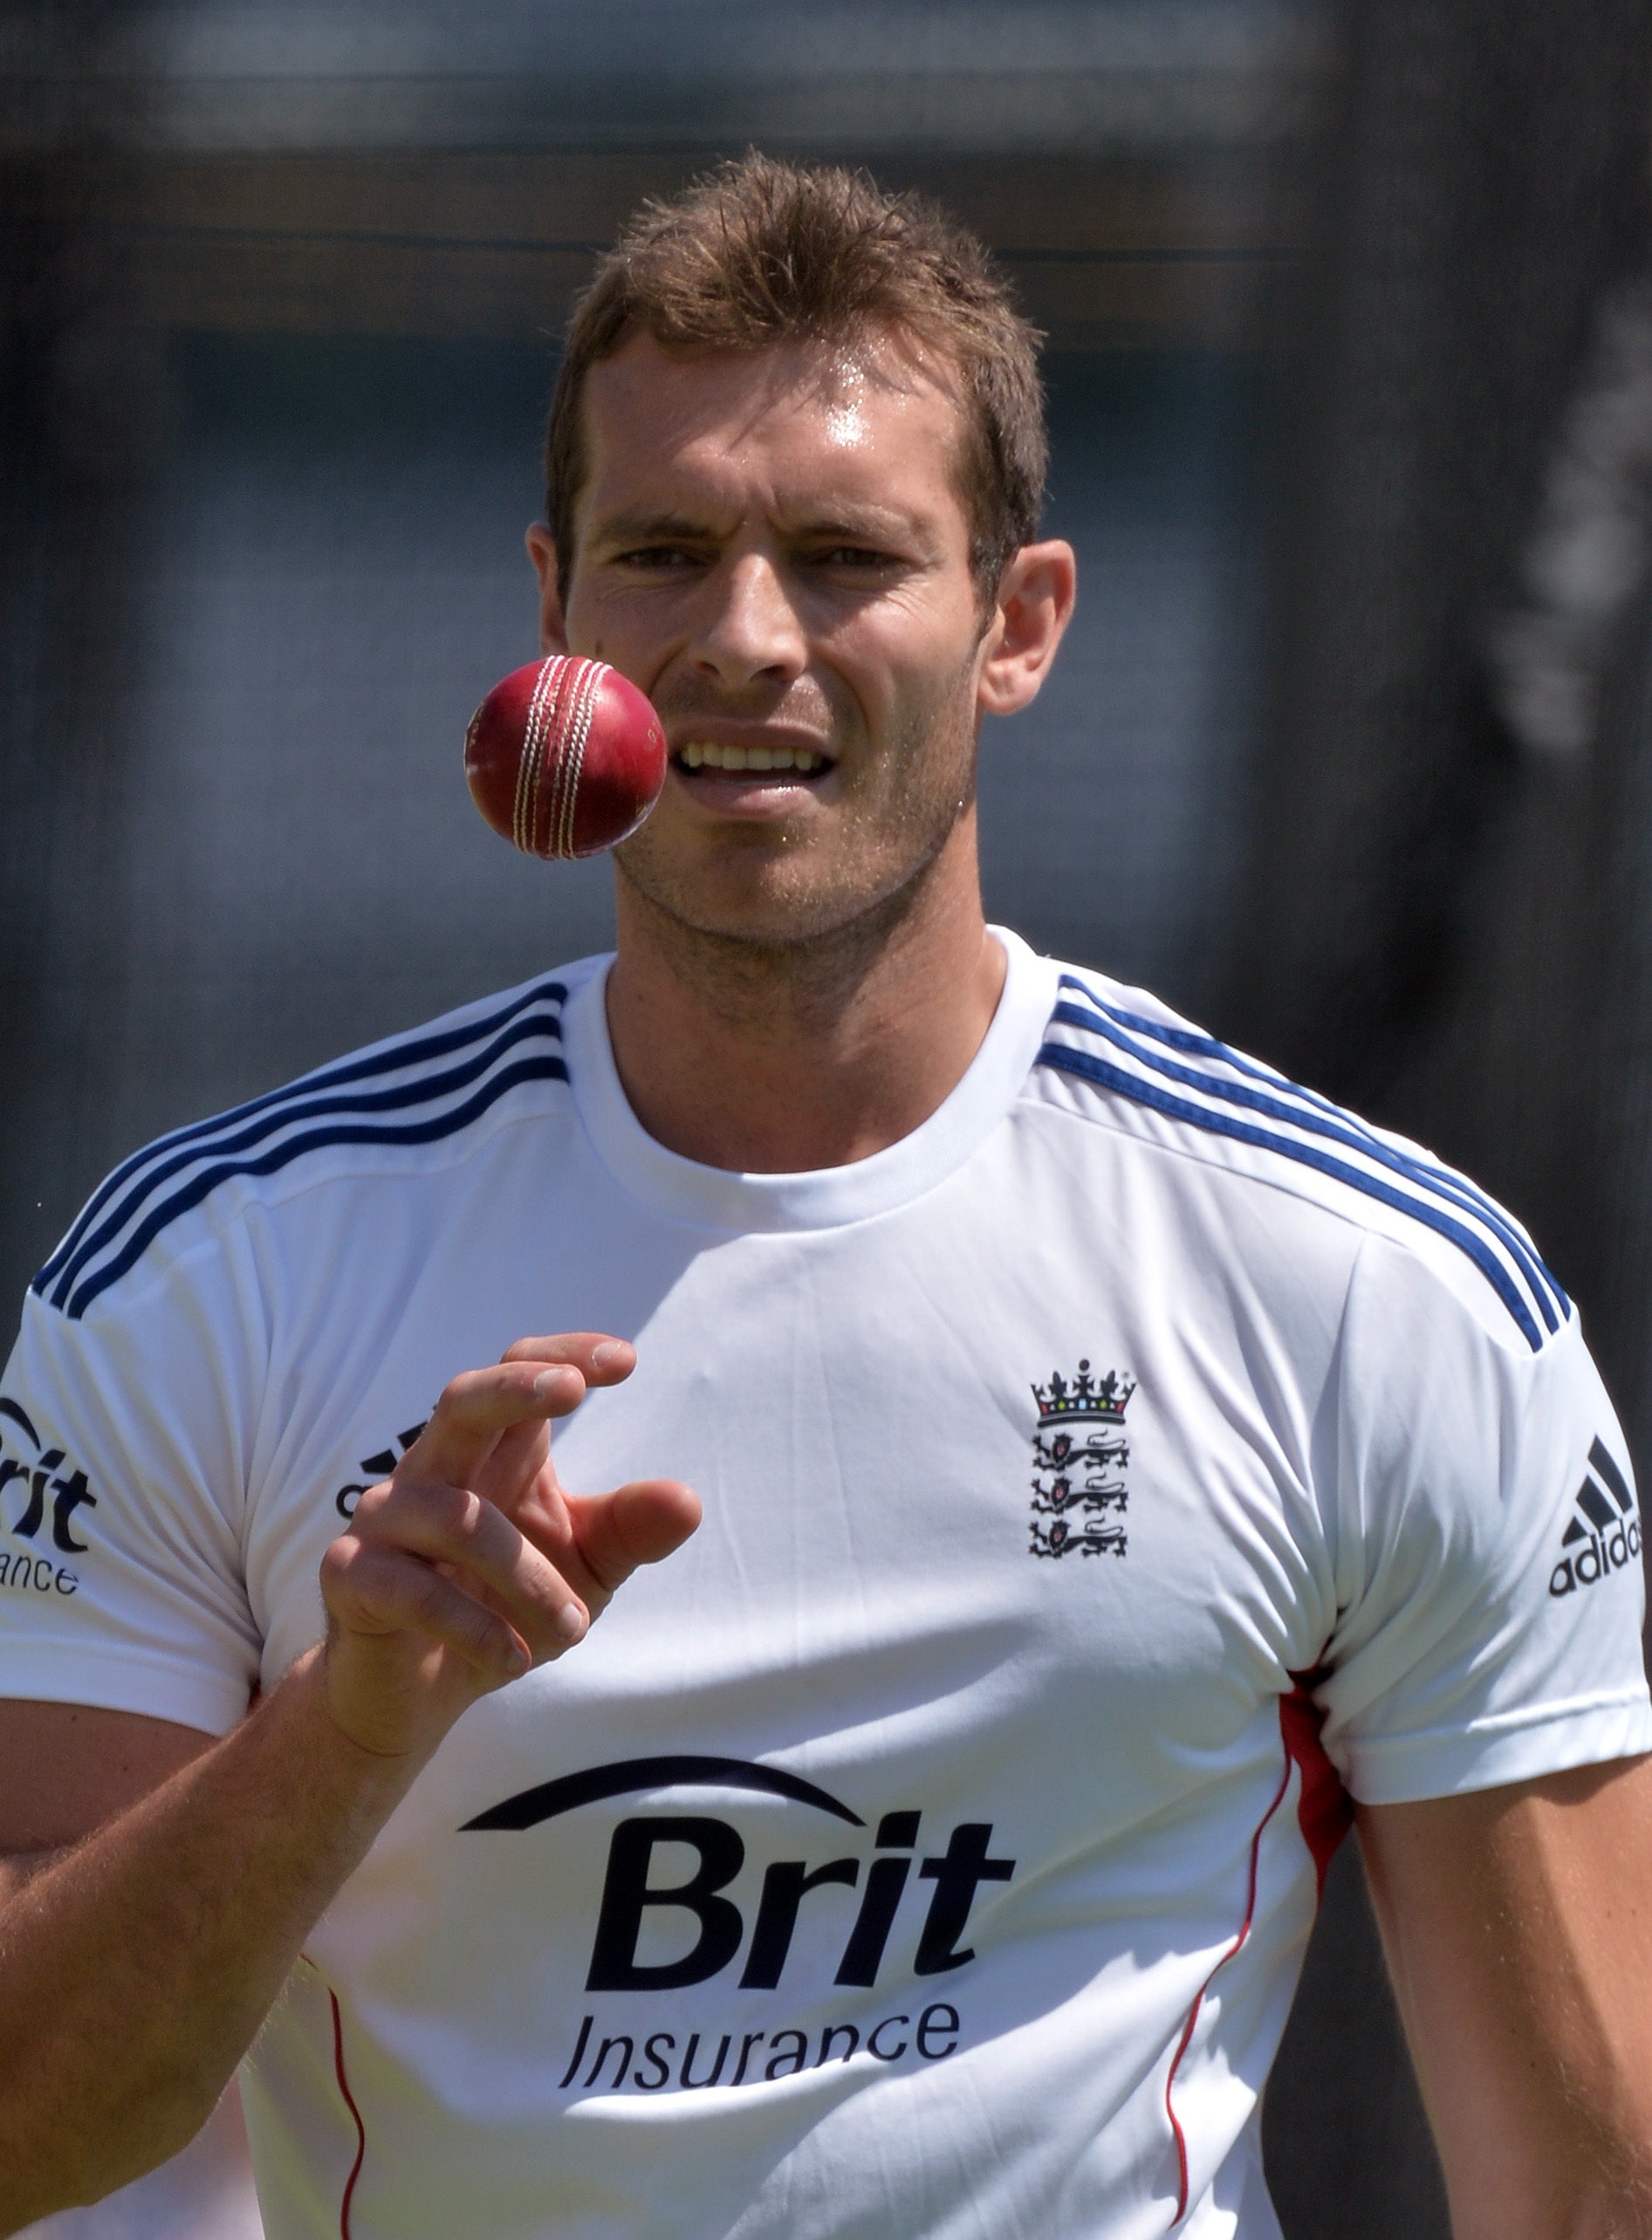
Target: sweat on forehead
x,y
842,374
839,379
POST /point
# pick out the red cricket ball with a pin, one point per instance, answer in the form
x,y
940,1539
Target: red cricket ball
x,y
565,757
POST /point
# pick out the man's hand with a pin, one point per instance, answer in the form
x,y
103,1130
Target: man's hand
x,y
470,1563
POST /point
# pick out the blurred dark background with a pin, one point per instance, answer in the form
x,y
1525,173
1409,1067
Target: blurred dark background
x,y
1350,314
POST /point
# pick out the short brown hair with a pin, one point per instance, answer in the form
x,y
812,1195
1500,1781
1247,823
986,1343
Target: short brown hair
x,y
760,253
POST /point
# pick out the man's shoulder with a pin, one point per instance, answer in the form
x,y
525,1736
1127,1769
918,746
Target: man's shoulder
x,y
1228,1127
416,1100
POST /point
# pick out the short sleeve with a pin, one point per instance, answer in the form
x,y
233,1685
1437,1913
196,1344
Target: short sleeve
x,y
1487,1547
124,1444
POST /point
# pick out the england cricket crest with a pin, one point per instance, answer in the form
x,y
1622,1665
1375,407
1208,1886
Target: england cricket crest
x,y
1080,1456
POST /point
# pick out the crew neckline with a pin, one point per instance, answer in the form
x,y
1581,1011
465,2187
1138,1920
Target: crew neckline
x,y
825,1197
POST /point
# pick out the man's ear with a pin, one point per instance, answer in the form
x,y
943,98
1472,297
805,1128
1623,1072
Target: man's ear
x,y
542,550
1033,607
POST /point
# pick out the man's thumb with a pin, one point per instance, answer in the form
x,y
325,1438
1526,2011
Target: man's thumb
x,y
639,1523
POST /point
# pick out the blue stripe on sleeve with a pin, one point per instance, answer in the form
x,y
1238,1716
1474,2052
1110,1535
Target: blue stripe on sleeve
x,y
425,1090
1436,1180
427,1131
1066,1060
414,1051
1194,1042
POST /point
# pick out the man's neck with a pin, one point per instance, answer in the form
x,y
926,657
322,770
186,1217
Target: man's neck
x,y
779,1060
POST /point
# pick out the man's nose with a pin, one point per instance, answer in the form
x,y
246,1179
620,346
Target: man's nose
x,y
753,631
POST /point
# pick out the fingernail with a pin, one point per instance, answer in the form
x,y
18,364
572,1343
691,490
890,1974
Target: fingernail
x,y
549,1384
572,1623
517,1660
604,1356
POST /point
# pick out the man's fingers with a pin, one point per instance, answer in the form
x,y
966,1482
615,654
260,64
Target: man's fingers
x,y
640,1524
518,1458
480,1404
380,1590
537,1380
449,1525
600,1359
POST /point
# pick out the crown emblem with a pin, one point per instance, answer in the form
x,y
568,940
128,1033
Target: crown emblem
x,y
1080,1460
1083,1399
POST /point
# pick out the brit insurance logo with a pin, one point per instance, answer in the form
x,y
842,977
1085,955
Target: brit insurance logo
x,y
43,1503
1079,1457
681,1884
1604,1531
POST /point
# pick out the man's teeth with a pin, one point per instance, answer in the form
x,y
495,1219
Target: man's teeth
x,y
708,754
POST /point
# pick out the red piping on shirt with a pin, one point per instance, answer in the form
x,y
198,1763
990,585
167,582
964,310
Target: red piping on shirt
x,y
1193,2013
1324,1809
349,2101
1325,1813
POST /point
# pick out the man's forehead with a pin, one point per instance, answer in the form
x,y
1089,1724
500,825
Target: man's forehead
x,y
848,399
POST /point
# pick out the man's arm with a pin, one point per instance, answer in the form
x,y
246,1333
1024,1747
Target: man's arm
x,y
136,1966
145,1930
66,1768
1517,1923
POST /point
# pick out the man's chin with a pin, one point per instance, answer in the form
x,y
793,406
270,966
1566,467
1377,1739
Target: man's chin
x,y
776,890
768,925
769,905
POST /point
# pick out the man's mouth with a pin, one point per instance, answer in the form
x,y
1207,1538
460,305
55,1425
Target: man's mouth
x,y
779,760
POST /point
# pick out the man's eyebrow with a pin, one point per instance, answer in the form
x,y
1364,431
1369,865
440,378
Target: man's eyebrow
x,y
871,524
641,527
875,525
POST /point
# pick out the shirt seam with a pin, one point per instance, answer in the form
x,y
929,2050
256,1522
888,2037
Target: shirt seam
x,y
108,1657
1495,1724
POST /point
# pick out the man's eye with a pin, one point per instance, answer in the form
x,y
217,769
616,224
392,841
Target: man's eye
x,y
658,557
855,556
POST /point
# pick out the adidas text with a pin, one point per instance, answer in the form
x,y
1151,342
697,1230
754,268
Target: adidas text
x,y
1597,1559
1604,1533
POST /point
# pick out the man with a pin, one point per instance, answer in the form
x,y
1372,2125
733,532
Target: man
x,y
1108,1449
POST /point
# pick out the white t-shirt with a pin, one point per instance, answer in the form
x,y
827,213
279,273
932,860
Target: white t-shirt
x,y
1095,1482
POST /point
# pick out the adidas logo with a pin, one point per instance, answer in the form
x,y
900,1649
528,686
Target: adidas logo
x,y
1604,1535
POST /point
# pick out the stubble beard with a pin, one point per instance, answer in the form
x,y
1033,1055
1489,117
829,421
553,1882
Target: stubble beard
x,y
796,950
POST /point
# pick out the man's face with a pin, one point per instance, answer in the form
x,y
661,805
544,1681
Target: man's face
x,y
775,548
